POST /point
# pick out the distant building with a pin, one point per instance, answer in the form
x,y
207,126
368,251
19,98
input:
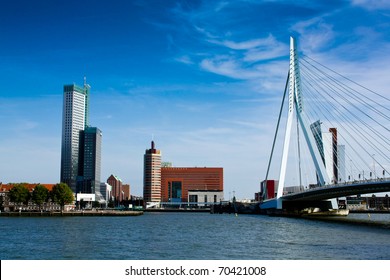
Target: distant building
x,y
177,182
88,180
317,133
341,163
268,190
126,192
204,198
117,187
332,154
74,120
7,205
105,190
152,174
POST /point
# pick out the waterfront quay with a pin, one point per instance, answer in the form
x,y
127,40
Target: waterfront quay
x,y
72,213
179,210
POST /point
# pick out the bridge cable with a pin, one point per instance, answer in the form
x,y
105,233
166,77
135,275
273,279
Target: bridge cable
x,y
310,77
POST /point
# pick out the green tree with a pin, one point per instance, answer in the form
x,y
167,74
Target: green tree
x,y
19,194
62,194
40,194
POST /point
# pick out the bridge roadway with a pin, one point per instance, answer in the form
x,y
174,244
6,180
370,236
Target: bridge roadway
x,y
341,190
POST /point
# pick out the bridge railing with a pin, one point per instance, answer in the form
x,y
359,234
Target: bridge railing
x,y
363,181
340,184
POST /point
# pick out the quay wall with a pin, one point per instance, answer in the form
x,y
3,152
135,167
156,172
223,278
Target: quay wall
x,y
71,213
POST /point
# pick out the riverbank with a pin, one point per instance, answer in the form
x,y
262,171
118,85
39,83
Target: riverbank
x,y
346,220
72,213
179,210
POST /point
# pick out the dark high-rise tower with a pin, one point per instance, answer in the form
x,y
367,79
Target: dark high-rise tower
x,y
89,161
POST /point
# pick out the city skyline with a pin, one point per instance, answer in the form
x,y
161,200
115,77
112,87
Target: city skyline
x,y
203,79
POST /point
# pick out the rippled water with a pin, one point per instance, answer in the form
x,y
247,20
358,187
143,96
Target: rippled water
x,y
191,236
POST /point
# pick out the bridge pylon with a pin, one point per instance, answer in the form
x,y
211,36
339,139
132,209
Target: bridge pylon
x,y
296,112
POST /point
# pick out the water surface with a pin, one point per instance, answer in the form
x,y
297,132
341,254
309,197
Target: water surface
x,y
158,236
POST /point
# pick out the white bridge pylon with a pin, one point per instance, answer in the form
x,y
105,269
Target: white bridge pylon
x,y
296,109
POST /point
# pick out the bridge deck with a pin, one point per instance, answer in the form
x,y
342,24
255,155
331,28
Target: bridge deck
x,y
340,190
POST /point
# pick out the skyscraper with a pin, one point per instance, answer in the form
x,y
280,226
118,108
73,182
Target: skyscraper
x,y
152,174
74,120
334,158
317,133
88,180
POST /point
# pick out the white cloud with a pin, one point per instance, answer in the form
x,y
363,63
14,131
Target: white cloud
x,y
184,59
229,67
256,49
314,33
372,4
245,45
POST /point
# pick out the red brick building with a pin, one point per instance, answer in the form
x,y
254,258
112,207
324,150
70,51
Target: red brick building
x,y
177,181
117,187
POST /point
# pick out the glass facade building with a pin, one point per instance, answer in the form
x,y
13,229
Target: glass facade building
x,y
74,120
89,161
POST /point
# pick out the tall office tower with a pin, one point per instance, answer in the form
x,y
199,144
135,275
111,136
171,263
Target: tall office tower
x,y
331,154
341,163
152,175
88,180
333,131
317,133
74,120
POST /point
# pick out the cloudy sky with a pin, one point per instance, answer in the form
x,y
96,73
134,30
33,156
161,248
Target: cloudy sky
x,y
204,79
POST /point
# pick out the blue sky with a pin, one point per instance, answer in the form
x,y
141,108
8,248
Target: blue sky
x,y
204,79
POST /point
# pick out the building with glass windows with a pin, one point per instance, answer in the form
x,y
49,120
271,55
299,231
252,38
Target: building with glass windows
x,y
178,182
74,120
88,180
332,154
152,174
117,188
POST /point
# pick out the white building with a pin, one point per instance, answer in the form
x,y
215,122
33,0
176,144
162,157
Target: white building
x,y
327,141
341,163
205,197
106,192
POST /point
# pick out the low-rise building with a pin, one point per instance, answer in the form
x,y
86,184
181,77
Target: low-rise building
x,y
7,205
203,198
177,182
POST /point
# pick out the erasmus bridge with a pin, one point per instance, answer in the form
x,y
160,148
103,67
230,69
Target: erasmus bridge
x,y
336,135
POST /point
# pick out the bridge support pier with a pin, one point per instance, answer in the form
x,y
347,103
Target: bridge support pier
x,y
322,205
303,207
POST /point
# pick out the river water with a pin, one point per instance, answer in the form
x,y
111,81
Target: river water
x,y
200,236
